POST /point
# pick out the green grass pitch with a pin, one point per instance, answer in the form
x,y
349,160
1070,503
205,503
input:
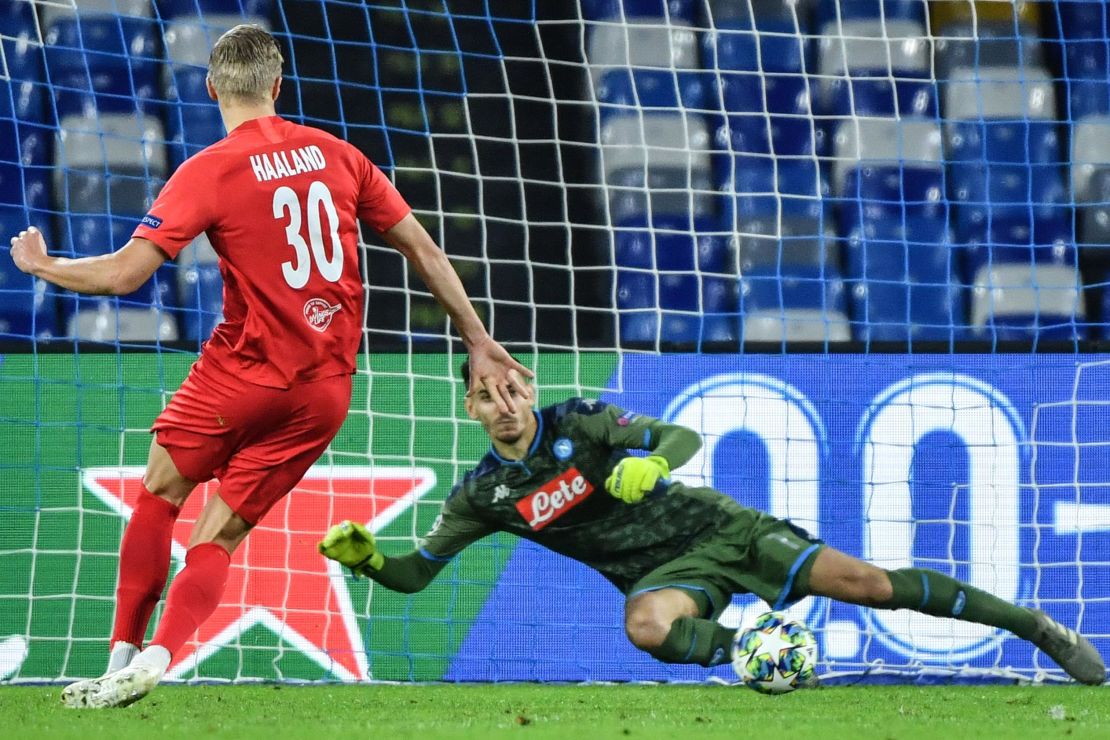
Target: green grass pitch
x,y
568,711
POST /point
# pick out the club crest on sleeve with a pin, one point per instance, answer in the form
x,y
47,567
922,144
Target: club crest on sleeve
x,y
563,448
625,419
151,220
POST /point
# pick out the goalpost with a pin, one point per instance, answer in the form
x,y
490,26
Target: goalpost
x,y
664,205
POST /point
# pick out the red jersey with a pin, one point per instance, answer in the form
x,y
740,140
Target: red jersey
x,y
280,203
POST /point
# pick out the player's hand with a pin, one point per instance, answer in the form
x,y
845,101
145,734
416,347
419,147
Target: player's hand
x,y
351,544
635,476
28,250
493,368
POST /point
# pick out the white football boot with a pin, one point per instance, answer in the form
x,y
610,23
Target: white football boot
x,y
125,686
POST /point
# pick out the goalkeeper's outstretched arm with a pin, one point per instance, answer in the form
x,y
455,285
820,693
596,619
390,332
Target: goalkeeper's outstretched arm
x,y
407,573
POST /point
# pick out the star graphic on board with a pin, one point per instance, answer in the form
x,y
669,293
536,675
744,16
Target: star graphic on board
x,y
277,578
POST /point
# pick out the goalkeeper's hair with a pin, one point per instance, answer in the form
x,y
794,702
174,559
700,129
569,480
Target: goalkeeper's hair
x,y
244,64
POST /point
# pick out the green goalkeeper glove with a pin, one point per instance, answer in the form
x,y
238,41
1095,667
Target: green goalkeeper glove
x,y
635,476
351,544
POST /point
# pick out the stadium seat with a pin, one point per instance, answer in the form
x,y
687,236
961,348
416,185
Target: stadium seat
x,y
665,154
789,246
733,14
674,284
601,10
1016,16
108,60
645,44
171,9
828,11
984,45
626,91
873,67
200,289
1094,212
1023,301
1090,151
27,305
1005,155
759,188
114,162
904,280
804,307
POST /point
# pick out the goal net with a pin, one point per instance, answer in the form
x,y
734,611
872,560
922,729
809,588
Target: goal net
x,y
855,245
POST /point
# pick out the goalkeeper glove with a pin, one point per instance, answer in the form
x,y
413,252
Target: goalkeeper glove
x,y
635,476
351,544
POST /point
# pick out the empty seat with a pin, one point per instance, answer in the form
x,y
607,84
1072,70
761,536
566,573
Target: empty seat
x,y
1090,151
645,44
626,91
27,305
104,63
1094,212
984,44
171,9
788,246
796,308
829,11
200,289
904,279
735,14
872,67
758,188
598,10
1004,152
1021,301
674,285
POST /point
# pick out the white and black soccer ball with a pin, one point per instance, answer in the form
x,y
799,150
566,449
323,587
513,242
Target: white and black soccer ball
x,y
775,655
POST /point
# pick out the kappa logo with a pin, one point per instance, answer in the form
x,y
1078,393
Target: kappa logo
x,y
318,313
501,493
555,499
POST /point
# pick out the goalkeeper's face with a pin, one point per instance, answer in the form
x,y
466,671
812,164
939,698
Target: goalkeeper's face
x,y
505,427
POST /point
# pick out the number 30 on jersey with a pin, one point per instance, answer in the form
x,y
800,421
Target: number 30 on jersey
x,y
288,206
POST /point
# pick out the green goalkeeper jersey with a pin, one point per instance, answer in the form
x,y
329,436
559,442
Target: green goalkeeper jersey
x,y
556,497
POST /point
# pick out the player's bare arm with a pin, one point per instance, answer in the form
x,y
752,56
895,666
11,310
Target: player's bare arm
x,y
119,273
491,365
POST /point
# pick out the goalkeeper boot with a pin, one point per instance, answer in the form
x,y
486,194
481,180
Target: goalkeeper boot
x,y
125,686
1071,650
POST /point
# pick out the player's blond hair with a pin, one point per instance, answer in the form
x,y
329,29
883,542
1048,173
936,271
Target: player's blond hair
x,y
244,64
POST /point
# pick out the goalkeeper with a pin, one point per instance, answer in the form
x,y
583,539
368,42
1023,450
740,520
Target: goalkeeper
x,y
562,477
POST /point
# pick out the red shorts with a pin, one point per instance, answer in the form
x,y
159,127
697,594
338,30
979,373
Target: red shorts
x,y
257,441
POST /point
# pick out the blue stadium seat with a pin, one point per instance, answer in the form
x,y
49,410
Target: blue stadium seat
x,y
168,9
904,279
625,91
202,300
27,305
1083,19
875,53
1088,98
111,59
761,187
910,10
803,307
1093,215
673,285
597,10
787,246
984,46
194,122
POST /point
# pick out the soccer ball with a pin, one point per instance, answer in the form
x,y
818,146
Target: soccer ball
x,y
775,655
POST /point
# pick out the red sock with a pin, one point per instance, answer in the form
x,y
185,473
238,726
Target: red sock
x,y
194,595
144,562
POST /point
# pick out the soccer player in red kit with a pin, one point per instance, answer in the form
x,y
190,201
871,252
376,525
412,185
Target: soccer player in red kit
x,y
280,204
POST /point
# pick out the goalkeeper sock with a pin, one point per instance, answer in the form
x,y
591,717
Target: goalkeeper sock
x,y
930,592
144,563
698,641
194,595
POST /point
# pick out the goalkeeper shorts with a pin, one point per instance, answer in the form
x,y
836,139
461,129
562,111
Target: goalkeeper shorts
x,y
257,441
754,553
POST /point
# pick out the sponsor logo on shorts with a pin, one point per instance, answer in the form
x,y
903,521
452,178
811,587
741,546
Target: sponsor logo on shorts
x,y
151,220
563,448
555,499
318,313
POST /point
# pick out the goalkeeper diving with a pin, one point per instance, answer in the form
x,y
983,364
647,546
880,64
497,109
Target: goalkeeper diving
x,y
563,477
